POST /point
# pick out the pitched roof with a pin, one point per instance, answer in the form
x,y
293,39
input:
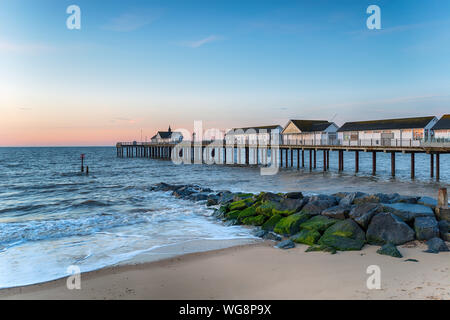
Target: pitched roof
x,y
164,134
311,125
257,129
443,123
387,124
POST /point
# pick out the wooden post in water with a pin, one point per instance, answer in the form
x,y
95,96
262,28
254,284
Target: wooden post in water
x,y
393,164
443,198
437,167
82,162
298,158
324,160
413,165
310,159
356,161
315,158
431,165
303,158
374,163
328,159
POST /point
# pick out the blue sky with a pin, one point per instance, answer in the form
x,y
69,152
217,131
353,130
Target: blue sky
x,y
144,64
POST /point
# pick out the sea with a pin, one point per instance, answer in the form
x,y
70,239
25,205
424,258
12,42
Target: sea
x,y
53,217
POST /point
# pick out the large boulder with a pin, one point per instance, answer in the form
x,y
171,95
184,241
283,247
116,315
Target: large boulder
x,y
366,198
269,196
363,213
444,229
388,228
390,250
241,204
404,199
199,196
324,197
337,212
436,245
316,207
255,220
308,237
291,224
270,224
407,211
288,206
427,201
426,228
318,223
348,199
246,213
344,235
294,195
443,214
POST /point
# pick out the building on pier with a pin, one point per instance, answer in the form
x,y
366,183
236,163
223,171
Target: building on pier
x,y
441,130
167,136
263,135
387,132
309,132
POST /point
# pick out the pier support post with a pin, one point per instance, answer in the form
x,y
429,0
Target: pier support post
x,y
315,158
324,160
413,165
303,158
287,157
292,158
374,163
328,159
356,161
310,159
431,165
438,169
298,159
281,158
247,156
393,164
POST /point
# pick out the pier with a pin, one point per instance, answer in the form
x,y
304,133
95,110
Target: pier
x,y
282,155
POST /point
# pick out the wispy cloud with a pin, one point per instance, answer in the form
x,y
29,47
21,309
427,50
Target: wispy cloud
x,y
23,48
201,42
133,20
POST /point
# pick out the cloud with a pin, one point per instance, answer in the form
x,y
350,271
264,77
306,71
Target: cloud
x,y
199,43
23,48
130,21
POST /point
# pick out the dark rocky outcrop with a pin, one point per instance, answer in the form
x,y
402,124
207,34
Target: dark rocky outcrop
x,y
315,207
270,224
388,228
363,213
309,237
337,212
426,228
291,224
318,223
294,195
444,229
408,212
344,235
436,245
390,249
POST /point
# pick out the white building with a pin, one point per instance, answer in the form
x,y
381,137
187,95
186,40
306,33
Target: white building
x,y
441,129
263,135
167,136
309,132
387,132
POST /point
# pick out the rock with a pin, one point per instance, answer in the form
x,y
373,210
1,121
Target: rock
x,y
314,248
318,223
388,228
316,207
308,237
404,199
260,233
255,221
426,228
390,250
231,222
324,197
427,201
286,244
387,198
241,204
436,245
443,214
200,196
344,235
242,196
220,213
444,229
366,198
270,224
272,236
363,213
411,260
269,196
247,212
212,200
266,208
226,197
347,200
232,214
337,212
289,205
408,212
294,195
291,224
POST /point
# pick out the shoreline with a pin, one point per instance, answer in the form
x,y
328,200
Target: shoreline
x,y
259,271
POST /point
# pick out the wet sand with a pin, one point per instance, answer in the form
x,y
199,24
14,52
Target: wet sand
x,y
260,271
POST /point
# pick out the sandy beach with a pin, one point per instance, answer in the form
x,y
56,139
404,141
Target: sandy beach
x,y
260,271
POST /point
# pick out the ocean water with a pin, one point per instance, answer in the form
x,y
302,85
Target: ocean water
x,y
52,216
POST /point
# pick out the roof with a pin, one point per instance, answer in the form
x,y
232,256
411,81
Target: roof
x,y
257,129
443,123
386,124
311,125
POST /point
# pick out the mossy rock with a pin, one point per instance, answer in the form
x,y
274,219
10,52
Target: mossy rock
x,y
305,236
241,204
266,208
282,212
232,214
344,235
315,248
223,209
318,223
291,224
248,212
242,196
255,221
269,225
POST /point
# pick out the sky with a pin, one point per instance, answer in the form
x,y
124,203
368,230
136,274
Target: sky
x,y
136,67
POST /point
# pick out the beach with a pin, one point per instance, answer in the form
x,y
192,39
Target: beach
x,y
260,271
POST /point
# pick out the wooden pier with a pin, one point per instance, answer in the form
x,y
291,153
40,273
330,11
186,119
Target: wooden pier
x,y
218,152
